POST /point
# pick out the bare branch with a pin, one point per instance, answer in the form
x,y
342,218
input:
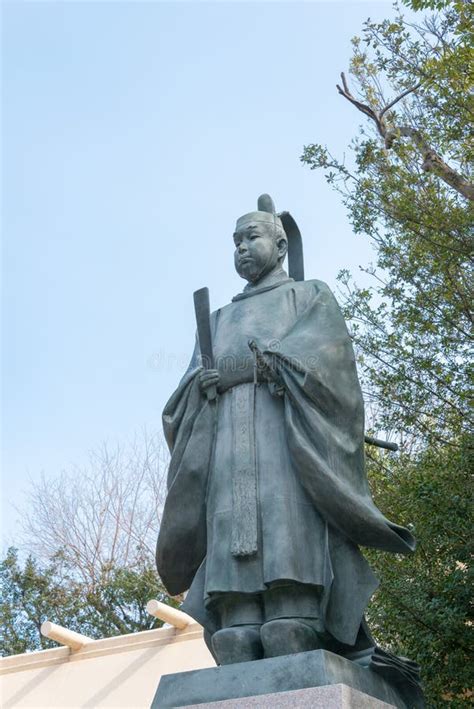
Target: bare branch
x,y
399,98
359,105
104,515
432,162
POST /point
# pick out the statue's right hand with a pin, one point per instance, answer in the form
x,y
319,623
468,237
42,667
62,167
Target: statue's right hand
x,y
208,378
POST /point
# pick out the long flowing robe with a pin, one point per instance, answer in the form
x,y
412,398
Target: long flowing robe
x,y
281,476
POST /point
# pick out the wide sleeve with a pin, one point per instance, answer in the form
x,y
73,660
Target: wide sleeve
x,y
324,415
188,421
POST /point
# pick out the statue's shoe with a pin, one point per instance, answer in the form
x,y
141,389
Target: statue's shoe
x,y
286,636
239,644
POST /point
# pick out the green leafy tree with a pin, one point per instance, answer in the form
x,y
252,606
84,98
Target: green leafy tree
x,y
423,607
33,593
413,327
407,185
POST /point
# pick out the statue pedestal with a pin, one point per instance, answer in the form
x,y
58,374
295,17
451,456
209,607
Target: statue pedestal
x,y
335,696
288,678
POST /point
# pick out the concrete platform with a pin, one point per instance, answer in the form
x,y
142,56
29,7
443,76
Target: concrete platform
x,y
302,671
335,696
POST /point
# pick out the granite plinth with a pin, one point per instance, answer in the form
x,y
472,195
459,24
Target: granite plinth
x,y
335,696
303,670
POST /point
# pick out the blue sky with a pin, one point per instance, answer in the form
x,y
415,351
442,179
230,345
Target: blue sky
x,y
134,135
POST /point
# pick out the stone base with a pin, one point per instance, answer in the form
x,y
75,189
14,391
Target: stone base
x,y
255,680
335,696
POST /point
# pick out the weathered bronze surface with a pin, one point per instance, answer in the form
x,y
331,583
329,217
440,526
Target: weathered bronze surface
x,y
268,499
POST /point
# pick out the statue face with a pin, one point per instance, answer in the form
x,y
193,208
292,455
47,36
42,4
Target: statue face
x,y
257,252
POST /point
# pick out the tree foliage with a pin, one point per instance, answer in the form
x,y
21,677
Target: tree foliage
x,y
406,186
412,328
423,607
33,593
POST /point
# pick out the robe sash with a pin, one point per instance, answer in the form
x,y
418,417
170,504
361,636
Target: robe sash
x,y
244,473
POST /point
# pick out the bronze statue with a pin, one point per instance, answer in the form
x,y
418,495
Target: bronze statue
x,y
268,499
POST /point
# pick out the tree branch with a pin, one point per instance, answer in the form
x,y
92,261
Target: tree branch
x,y
399,98
432,162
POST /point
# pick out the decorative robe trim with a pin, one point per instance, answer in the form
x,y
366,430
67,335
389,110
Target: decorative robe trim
x,y
244,474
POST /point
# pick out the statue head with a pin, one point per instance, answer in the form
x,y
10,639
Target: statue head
x,y
260,242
